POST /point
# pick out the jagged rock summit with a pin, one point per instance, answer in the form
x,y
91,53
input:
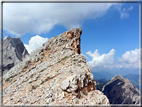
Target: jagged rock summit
x,y
13,52
53,74
120,91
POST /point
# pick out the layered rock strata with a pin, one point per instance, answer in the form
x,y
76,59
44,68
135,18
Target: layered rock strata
x,y
53,74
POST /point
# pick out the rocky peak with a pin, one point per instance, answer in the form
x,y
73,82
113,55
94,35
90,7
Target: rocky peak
x,y
74,36
7,37
53,74
120,91
13,52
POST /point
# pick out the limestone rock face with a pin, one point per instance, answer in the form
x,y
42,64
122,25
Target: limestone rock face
x,y
13,52
53,74
120,91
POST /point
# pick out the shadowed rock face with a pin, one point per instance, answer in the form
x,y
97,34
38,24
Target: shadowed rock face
x,y
121,91
13,52
53,74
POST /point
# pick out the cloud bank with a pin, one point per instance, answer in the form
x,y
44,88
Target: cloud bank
x,y
37,18
103,60
130,59
35,42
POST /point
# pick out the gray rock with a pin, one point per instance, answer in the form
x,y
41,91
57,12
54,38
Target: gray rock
x,y
14,52
65,84
49,100
120,91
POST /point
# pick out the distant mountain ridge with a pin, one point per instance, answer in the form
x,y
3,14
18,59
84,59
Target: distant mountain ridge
x,y
100,83
13,52
102,75
120,91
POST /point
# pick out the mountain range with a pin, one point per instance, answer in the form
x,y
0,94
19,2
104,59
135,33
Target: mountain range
x,y
106,76
103,75
57,74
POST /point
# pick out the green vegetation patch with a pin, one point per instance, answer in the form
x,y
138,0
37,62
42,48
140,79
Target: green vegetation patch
x,y
49,48
65,41
25,80
50,65
89,77
30,81
32,75
34,87
64,58
79,64
44,81
56,41
71,71
38,76
33,67
44,69
41,70
23,70
15,80
75,60
8,79
38,59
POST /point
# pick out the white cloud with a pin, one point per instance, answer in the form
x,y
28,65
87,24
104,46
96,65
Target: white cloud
x,y
130,59
124,15
21,18
124,9
130,56
131,8
35,42
100,61
123,12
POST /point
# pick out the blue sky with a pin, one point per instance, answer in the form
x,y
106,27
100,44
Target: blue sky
x,y
110,38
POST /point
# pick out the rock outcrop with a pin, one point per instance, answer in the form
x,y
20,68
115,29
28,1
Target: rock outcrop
x,y
53,74
120,91
13,52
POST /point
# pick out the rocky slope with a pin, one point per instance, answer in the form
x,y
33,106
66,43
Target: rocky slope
x,y
120,91
134,79
53,74
13,52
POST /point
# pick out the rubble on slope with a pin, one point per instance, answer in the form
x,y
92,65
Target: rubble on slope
x,y
53,74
